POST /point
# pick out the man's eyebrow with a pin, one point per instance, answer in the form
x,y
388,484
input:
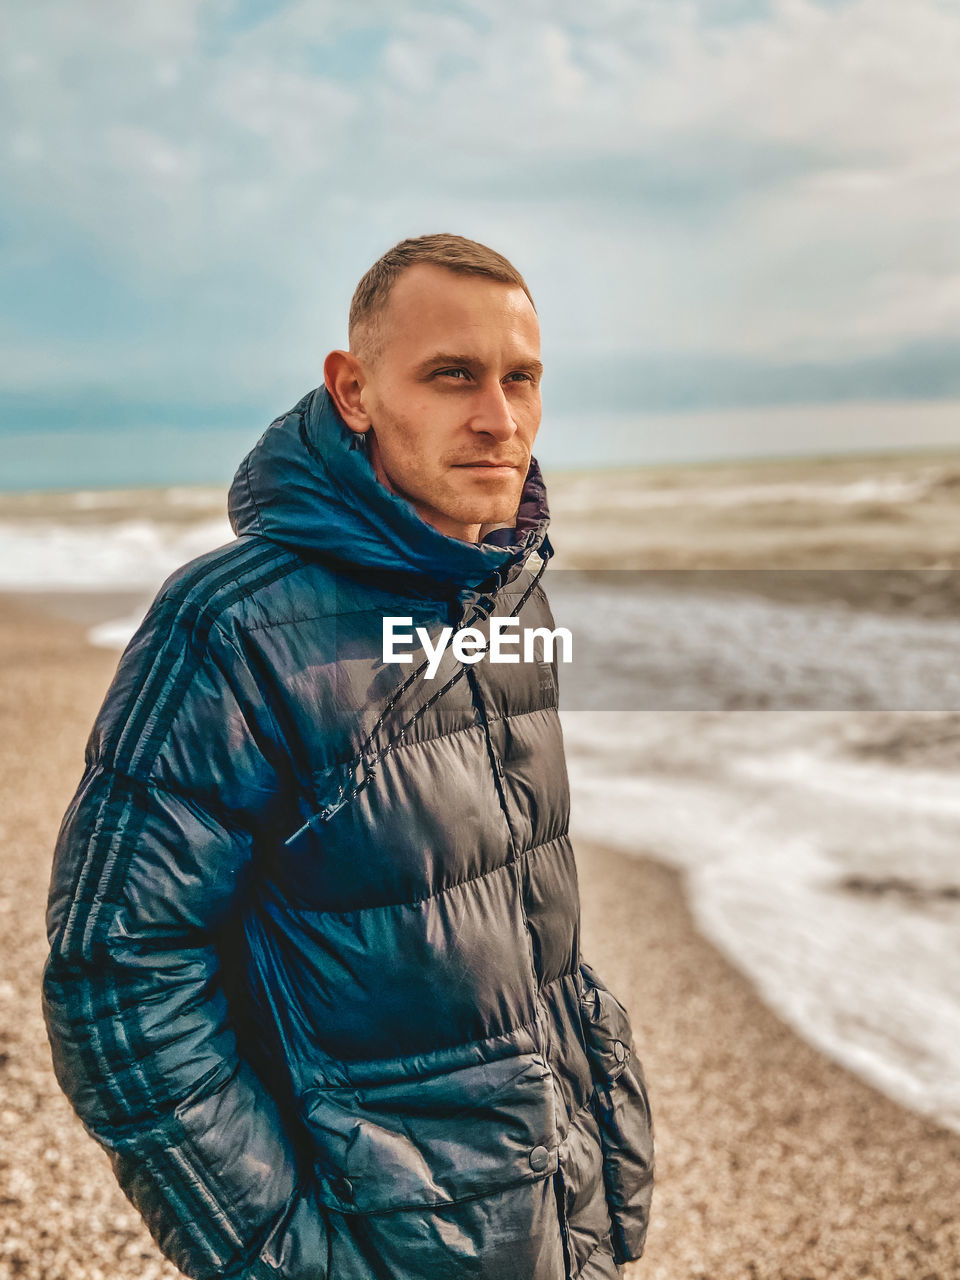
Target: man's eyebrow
x,y
444,358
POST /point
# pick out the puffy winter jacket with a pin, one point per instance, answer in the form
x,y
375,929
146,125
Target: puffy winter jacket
x,y
315,979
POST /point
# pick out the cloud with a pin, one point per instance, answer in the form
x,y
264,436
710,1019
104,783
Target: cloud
x,y
722,180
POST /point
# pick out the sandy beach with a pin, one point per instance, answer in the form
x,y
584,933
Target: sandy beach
x,y
772,1161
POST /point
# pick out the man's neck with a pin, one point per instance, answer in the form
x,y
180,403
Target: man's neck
x,y
489,528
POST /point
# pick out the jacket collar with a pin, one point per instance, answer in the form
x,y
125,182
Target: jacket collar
x,y
309,485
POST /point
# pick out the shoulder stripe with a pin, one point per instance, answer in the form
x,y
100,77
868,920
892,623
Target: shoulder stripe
x,y
161,717
154,704
179,632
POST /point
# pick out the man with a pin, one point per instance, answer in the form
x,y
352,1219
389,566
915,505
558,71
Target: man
x,y
315,981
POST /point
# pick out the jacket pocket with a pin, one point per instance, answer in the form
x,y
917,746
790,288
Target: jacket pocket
x,y
622,1108
606,1029
415,1139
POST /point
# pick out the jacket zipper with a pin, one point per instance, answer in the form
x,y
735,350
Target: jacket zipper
x,y
560,1192
559,1184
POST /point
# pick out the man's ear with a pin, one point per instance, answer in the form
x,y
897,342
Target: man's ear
x,y
344,378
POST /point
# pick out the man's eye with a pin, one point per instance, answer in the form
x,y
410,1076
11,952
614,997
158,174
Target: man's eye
x,y
452,373
521,376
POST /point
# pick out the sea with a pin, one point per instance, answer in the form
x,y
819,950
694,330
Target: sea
x,y
796,758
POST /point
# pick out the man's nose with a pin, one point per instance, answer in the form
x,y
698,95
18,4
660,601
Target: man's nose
x,y
492,412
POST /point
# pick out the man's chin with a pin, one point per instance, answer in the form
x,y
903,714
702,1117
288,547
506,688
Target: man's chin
x,y
504,513
488,508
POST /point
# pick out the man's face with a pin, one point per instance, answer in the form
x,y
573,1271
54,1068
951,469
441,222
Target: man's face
x,y
454,397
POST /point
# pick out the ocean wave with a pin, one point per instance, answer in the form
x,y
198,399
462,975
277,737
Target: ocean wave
x,y
128,553
830,881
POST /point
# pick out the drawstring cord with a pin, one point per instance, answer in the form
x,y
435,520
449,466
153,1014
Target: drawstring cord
x,y
348,791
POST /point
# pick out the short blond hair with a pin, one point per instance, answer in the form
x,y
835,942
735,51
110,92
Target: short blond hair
x,y
454,253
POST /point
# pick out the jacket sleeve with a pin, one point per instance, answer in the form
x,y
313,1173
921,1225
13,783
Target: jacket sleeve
x,y
623,1114
152,861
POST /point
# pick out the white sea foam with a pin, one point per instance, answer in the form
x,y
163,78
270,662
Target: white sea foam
x,y
782,834
122,554
116,633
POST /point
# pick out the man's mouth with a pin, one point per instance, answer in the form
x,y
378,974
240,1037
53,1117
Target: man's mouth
x,y
492,466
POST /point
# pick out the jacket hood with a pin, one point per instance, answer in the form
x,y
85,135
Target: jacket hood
x,y
308,484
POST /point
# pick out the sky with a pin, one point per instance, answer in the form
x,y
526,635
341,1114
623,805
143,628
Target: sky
x,y
717,204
